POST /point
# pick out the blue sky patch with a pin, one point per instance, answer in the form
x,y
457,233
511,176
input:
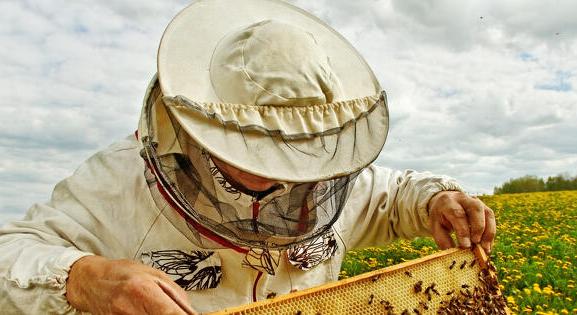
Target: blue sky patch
x,y
525,56
559,83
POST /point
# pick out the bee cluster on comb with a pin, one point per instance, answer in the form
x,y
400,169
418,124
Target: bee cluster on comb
x,y
482,299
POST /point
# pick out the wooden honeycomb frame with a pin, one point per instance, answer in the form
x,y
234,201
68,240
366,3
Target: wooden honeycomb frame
x,y
452,271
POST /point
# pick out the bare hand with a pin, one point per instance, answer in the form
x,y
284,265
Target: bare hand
x,y
468,216
101,286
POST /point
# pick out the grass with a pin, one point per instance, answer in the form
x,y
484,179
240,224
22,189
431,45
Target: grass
x,y
535,251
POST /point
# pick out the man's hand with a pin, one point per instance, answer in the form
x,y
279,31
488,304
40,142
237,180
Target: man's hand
x,y
101,286
468,216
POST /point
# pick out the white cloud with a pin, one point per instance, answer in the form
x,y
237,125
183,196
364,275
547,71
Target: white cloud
x,y
480,90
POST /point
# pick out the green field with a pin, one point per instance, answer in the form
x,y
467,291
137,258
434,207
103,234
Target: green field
x,y
535,251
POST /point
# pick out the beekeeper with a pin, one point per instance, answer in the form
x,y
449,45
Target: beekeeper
x,y
250,175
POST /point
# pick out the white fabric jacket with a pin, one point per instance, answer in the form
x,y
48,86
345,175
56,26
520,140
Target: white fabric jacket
x,y
105,208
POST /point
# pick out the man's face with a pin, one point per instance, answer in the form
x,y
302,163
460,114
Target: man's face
x,y
247,180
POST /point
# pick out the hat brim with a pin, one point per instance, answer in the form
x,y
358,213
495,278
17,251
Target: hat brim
x,y
184,59
316,158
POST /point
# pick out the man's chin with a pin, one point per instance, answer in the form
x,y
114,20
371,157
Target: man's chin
x,y
259,187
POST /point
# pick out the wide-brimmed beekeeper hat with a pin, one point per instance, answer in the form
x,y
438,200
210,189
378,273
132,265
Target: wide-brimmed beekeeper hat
x,y
270,89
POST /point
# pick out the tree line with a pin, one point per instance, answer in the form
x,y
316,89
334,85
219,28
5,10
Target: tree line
x,y
530,183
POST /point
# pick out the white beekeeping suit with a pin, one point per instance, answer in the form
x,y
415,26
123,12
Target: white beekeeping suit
x,y
270,90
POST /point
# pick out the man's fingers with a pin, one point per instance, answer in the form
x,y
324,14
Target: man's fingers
x,y
157,301
457,216
147,295
180,300
177,301
471,220
442,236
175,292
490,230
175,287
138,295
475,210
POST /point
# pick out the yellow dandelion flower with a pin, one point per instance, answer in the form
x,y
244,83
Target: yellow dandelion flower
x,y
372,262
527,291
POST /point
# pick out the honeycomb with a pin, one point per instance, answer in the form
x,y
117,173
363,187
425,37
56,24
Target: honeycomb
x,y
407,286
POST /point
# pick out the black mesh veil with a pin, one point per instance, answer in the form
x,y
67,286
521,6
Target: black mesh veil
x,y
283,216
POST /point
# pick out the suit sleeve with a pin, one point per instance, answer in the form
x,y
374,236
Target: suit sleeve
x,y
386,205
82,218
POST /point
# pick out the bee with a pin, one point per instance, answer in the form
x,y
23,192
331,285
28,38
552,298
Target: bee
x,y
482,279
271,295
387,305
371,298
450,292
299,312
429,289
452,264
491,266
463,264
375,278
424,305
472,263
405,312
409,274
418,287
416,311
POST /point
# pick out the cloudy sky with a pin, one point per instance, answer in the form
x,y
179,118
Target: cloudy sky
x,y
480,90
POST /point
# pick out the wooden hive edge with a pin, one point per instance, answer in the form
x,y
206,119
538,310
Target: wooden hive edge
x,y
479,255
